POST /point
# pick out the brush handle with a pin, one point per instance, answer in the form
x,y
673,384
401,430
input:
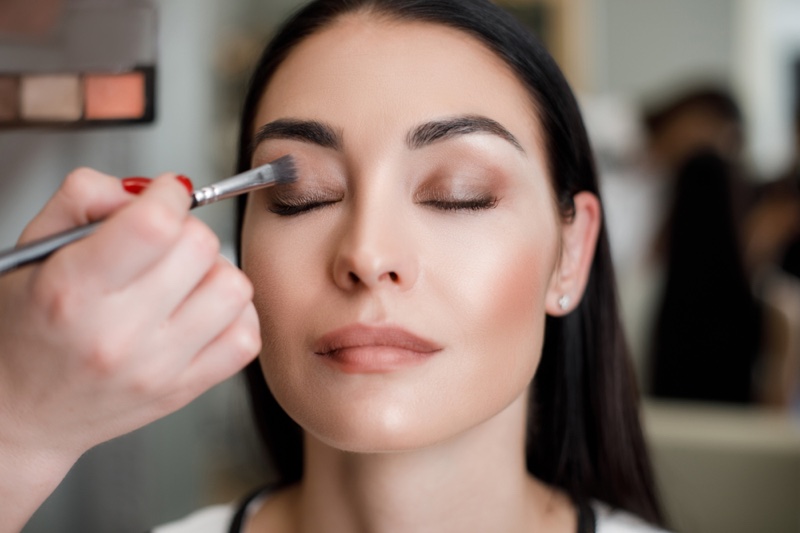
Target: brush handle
x,y
40,249
279,171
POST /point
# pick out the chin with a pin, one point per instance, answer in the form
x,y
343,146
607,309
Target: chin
x,y
367,427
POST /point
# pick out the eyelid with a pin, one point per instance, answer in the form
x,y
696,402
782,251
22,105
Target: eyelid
x,y
286,202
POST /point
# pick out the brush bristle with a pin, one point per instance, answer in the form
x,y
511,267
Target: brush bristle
x,y
285,170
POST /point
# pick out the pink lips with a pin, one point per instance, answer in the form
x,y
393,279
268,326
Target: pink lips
x,y
360,349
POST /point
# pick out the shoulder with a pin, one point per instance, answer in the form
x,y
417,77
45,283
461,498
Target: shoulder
x,y
610,520
214,519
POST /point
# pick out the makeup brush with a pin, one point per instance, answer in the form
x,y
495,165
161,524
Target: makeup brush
x,y
281,171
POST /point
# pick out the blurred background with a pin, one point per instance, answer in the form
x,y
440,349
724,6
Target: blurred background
x,y
694,110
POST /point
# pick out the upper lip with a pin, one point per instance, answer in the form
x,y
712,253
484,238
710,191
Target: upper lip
x,y
359,335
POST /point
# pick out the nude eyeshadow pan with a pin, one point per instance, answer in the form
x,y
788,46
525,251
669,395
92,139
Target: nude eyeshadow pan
x,y
50,97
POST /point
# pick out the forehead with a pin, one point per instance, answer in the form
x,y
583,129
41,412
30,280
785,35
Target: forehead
x,y
364,70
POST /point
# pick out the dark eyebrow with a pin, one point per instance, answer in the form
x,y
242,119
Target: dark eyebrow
x,y
438,130
310,131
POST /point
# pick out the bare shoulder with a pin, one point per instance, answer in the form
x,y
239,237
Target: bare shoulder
x,y
617,521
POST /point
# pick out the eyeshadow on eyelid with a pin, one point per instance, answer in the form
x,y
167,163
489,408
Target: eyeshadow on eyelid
x,y
297,190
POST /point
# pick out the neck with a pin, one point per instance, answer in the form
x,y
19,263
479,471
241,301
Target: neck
x,y
476,481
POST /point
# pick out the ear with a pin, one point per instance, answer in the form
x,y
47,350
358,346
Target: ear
x,y
578,242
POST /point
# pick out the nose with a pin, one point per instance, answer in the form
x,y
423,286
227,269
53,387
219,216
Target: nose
x,y
375,250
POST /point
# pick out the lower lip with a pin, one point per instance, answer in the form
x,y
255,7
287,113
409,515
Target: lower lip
x,y
374,359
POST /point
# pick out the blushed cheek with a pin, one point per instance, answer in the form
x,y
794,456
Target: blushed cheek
x,y
515,314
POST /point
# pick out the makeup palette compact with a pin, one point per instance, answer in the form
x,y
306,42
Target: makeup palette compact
x,y
96,68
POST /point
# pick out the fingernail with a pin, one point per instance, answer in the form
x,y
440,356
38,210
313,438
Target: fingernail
x,y
186,183
135,184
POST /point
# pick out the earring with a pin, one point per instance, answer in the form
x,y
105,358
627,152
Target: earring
x,y
563,302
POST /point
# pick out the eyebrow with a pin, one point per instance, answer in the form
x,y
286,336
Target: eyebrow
x,y
438,130
324,135
310,131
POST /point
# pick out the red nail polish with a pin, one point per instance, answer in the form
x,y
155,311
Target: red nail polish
x,y
186,183
136,184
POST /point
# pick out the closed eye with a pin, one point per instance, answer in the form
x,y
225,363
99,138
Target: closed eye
x,y
465,204
297,205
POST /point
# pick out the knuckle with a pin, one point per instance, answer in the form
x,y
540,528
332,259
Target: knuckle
x,y
59,302
204,242
238,286
245,341
156,224
232,287
103,358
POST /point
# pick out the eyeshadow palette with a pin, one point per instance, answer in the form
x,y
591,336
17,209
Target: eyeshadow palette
x,y
77,99
95,68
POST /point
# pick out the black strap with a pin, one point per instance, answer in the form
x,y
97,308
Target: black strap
x,y
587,522
241,511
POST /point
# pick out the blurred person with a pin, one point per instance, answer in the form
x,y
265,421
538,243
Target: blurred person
x,y
703,119
707,334
708,327
698,119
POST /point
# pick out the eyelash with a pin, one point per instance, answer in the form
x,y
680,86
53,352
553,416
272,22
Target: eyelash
x,y
470,204
288,209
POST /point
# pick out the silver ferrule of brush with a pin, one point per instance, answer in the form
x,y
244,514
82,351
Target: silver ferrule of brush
x,y
239,184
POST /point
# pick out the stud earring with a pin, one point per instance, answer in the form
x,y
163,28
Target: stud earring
x,y
563,302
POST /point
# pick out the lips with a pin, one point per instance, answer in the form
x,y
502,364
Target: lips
x,y
368,349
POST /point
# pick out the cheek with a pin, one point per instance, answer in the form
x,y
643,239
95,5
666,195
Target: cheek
x,y
497,291
509,325
518,293
278,297
281,279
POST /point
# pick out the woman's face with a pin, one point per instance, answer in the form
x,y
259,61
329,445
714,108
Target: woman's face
x,y
402,280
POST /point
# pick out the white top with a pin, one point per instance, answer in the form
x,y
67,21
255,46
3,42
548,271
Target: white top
x,y
217,519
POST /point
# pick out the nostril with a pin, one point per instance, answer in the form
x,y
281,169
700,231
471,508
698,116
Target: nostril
x,y
353,277
393,276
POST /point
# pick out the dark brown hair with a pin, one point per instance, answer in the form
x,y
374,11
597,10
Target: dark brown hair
x,y
584,432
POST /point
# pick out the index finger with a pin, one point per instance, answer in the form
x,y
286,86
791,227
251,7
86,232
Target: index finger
x,y
131,241
85,196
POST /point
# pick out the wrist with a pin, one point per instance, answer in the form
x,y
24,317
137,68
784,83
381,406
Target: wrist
x,y
27,477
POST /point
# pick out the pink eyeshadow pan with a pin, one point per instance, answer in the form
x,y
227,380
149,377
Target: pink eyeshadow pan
x,y
52,97
114,96
9,99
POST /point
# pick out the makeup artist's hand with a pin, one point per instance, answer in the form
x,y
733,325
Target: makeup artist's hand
x,y
113,331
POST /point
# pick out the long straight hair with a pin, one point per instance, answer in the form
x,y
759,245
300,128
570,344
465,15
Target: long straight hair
x,y
584,434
